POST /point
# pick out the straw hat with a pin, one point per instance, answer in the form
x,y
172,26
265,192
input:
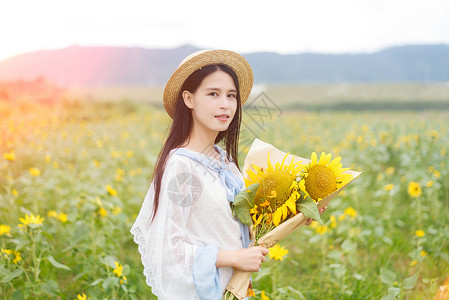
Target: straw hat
x,y
199,59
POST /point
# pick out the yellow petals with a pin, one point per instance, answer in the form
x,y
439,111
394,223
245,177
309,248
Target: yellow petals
x,y
322,229
414,189
31,220
277,252
413,262
263,296
420,233
388,187
11,156
250,293
35,172
118,269
81,297
102,212
351,212
5,229
111,191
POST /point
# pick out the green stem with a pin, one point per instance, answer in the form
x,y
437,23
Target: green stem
x,y
35,262
418,209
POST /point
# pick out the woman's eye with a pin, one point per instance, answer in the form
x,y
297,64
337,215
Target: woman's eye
x,y
213,94
232,95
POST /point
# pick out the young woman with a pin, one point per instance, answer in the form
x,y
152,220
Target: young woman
x,y
188,239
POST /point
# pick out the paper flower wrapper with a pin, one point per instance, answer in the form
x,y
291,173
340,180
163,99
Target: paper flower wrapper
x,y
257,155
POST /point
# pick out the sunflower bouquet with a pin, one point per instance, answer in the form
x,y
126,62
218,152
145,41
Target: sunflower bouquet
x,y
280,197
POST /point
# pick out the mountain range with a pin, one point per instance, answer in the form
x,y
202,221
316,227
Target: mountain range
x,y
77,66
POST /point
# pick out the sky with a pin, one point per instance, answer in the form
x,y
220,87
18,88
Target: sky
x,y
282,26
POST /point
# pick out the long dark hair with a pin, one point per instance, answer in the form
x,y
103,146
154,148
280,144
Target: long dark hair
x,y
183,121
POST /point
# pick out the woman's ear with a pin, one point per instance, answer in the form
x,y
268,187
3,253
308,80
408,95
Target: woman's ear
x,y
187,97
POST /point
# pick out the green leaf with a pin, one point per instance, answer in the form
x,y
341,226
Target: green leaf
x,y
387,276
97,281
56,264
12,275
296,292
243,202
110,282
410,282
51,288
349,246
308,207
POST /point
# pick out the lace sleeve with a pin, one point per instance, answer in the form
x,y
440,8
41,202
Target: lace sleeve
x,y
166,251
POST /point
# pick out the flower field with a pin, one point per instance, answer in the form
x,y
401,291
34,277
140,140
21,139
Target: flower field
x,y
73,176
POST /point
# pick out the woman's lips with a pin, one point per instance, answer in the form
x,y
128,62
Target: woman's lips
x,y
222,117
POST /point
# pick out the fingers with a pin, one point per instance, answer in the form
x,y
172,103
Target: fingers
x,y
322,209
264,250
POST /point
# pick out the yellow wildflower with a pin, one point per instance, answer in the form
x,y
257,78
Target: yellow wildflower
x,y
5,229
62,217
333,220
277,252
388,187
250,293
30,220
111,190
423,253
322,229
15,193
117,210
429,183
389,171
263,296
351,212
34,171
314,224
341,218
420,233
10,156
129,153
118,269
81,297
52,214
17,257
102,212
413,262
437,174
414,189
96,163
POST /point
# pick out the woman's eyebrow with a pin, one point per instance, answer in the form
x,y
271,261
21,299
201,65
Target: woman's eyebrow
x,y
217,89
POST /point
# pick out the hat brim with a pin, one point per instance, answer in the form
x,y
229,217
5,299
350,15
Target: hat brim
x,y
203,58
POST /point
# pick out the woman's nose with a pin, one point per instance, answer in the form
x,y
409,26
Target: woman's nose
x,y
224,102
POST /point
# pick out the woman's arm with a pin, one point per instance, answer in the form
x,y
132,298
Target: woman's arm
x,y
247,259
244,259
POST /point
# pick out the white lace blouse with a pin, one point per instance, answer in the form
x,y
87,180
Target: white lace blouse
x,y
193,221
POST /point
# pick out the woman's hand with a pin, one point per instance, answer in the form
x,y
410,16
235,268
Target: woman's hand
x,y
309,220
244,259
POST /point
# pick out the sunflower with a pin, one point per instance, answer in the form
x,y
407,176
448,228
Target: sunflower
x,y
323,177
278,189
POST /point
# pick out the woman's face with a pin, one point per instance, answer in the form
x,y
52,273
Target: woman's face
x,y
214,103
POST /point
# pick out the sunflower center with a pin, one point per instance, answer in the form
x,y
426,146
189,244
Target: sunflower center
x,y
277,181
320,182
